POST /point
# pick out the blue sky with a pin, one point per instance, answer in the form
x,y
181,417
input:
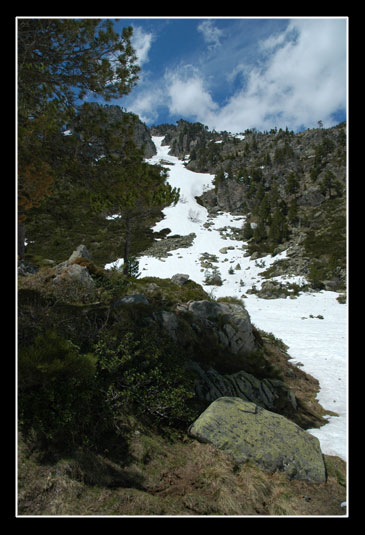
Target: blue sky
x,y
238,73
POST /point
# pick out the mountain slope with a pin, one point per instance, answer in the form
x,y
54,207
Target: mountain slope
x,y
305,321
291,187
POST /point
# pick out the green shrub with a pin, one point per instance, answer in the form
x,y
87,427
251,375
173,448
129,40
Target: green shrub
x,y
231,299
55,390
145,373
167,292
113,284
317,275
213,277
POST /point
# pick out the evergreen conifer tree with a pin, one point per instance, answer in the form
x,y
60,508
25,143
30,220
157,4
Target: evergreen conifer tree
x,y
264,210
292,183
59,61
130,187
278,229
259,233
293,212
247,230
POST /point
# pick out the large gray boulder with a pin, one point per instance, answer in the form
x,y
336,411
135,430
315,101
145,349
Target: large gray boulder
x,y
248,432
80,252
76,273
169,322
180,279
234,324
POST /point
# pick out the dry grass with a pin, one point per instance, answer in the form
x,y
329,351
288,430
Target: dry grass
x,y
170,478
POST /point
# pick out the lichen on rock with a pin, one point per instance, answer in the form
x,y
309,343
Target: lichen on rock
x,y
248,432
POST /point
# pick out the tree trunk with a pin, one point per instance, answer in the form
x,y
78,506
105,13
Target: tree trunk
x,y
127,243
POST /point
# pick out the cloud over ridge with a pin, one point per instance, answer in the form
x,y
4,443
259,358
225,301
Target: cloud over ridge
x,y
293,77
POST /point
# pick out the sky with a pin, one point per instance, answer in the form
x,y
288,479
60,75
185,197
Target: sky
x,y
238,73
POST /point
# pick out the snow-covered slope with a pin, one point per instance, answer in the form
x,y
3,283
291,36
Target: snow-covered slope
x,y
319,345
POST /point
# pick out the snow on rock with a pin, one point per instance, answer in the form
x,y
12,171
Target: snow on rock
x,y
318,345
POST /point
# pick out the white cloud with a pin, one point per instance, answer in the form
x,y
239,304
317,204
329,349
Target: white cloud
x,y
141,42
181,91
211,33
146,105
297,77
300,80
188,95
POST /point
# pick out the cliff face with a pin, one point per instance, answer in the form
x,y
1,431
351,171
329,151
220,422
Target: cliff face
x,y
141,134
294,163
142,138
106,116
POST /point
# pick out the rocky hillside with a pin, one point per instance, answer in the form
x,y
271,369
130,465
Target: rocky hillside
x,y
150,364
292,187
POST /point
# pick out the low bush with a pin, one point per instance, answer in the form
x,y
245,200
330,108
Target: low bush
x,y
167,292
231,299
144,372
213,277
68,399
56,391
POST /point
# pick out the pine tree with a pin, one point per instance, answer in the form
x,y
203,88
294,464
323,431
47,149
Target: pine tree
x,y
59,61
293,212
219,177
259,233
267,160
330,185
264,210
130,187
279,231
292,183
247,230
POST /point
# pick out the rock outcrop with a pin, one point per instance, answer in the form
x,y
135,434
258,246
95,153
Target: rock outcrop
x,y
25,268
134,299
227,327
267,393
161,248
71,270
248,432
180,279
228,324
142,138
235,329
